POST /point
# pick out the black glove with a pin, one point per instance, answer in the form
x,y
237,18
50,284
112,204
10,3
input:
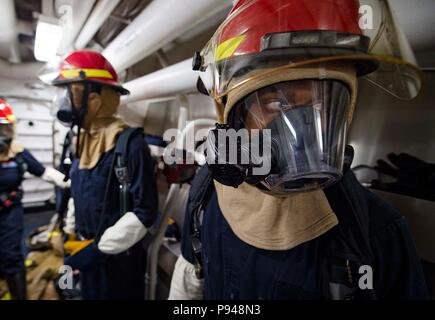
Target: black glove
x,y
414,177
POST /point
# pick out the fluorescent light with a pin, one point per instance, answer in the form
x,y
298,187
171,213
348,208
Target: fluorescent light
x,y
47,40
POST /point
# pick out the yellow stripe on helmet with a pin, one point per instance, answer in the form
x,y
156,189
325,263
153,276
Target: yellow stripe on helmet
x,y
90,73
11,118
227,48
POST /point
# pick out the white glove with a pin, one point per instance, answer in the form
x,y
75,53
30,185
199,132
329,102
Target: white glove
x,y
70,220
185,285
126,232
52,175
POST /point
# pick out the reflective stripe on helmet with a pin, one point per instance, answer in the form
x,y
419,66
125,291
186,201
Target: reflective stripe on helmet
x,y
89,73
10,118
227,48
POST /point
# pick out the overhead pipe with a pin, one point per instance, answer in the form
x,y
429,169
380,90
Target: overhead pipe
x,y
9,48
98,17
159,23
178,78
199,28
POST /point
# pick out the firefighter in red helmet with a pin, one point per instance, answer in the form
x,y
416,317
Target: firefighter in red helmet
x,y
285,218
114,197
15,160
7,120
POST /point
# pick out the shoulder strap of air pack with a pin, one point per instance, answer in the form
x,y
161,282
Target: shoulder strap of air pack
x,y
202,186
21,164
348,245
121,169
121,149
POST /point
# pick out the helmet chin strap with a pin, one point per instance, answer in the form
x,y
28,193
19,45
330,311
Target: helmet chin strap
x,y
79,116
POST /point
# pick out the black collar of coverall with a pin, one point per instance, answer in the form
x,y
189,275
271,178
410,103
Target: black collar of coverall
x,y
354,203
350,239
347,197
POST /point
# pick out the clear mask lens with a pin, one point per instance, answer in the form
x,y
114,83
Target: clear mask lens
x,y
6,136
62,108
6,131
307,121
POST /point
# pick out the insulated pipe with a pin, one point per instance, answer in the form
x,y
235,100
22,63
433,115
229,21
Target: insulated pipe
x,y
178,78
8,32
98,17
159,23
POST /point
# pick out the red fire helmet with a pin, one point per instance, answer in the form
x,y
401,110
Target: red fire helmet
x,y
86,65
6,114
261,35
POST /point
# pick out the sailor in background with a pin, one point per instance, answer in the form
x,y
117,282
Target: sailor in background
x,y
15,160
113,188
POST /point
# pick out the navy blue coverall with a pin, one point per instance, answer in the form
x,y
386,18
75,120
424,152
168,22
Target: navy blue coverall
x,y
235,270
118,276
11,219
